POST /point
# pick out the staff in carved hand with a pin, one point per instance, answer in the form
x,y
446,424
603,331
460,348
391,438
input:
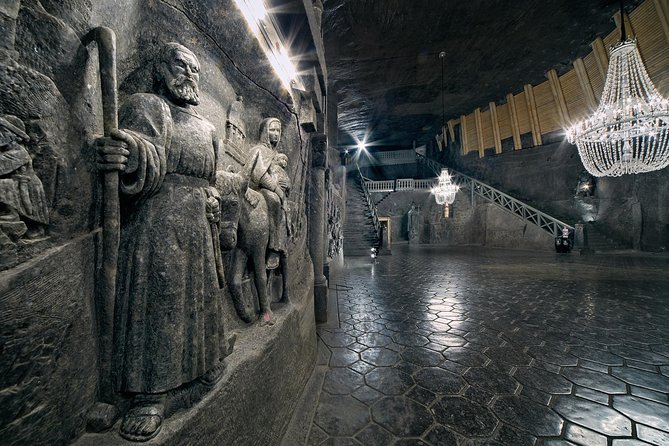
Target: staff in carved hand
x,y
106,43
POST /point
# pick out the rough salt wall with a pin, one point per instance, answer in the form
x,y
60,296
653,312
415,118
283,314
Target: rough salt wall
x,y
48,340
483,224
631,209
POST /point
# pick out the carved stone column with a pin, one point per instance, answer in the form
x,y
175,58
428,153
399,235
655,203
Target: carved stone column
x,y
318,196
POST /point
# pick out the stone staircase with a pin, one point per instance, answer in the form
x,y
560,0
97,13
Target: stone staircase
x,y
359,233
596,241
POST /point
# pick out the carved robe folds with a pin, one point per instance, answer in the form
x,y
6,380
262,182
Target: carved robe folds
x,y
264,181
168,320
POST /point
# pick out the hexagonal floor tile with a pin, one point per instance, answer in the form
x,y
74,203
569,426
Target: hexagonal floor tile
x,y
508,355
640,355
381,357
410,339
374,339
653,381
439,381
464,416
601,419
374,435
422,356
402,416
342,381
447,339
543,380
491,380
440,436
389,381
594,380
643,411
341,416
521,412
465,356
596,355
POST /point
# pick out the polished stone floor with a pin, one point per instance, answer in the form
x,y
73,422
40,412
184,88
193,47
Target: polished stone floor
x,y
472,346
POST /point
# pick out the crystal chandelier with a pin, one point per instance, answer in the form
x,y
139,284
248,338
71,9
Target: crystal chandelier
x,y
444,192
628,131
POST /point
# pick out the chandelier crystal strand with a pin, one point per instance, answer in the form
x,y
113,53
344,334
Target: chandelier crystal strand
x,y
628,133
444,192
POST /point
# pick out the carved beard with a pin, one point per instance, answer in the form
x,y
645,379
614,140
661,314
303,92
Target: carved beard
x,y
185,89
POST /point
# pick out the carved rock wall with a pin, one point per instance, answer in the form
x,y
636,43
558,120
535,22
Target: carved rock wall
x,y
631,209
48,338
480,225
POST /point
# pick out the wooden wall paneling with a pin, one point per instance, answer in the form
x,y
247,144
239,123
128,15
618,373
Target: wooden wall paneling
x,y
662,10
463,135
472,137
523,113
479,131
486,130
611,39
601,56
558,97
586,86
547,109
628,25
515,125
451,128
497,140
572,91
532,112
504,122
594,75
652,44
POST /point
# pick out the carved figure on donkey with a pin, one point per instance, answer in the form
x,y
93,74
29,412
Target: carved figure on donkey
x,y
262,224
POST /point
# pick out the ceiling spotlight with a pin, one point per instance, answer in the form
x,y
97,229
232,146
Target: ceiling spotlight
x,y
362,146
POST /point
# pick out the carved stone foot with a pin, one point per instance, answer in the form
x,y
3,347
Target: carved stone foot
x,y
101,417
213,376
267,318
143,421
273,260
231,343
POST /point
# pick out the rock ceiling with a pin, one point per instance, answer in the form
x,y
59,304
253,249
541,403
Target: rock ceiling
x,y
384,66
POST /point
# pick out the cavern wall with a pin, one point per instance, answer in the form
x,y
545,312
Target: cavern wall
x,y
54,339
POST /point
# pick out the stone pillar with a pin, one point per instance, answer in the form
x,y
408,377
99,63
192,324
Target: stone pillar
x,y
579,236
318,196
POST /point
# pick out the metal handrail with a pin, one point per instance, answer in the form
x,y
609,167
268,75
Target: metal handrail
x,y
549,224
370,203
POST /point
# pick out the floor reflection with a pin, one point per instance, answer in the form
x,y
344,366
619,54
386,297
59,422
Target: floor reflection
x,y
475,346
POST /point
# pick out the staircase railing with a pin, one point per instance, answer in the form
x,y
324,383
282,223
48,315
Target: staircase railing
x,y
549,224
370,203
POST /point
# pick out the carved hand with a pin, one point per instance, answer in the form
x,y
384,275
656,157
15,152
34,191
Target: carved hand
x,y
213,210
112,152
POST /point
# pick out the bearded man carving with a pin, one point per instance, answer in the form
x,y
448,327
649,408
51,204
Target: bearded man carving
x,y
168,325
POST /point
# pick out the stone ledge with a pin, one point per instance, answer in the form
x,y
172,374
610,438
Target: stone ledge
x,y
253,402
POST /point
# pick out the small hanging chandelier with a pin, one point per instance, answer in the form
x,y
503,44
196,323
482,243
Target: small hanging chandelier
x,y
444,192
628,133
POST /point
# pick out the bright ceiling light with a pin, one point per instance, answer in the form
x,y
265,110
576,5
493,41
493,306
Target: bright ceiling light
x,y
254,12
362,146
445,191
266,31
282,65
